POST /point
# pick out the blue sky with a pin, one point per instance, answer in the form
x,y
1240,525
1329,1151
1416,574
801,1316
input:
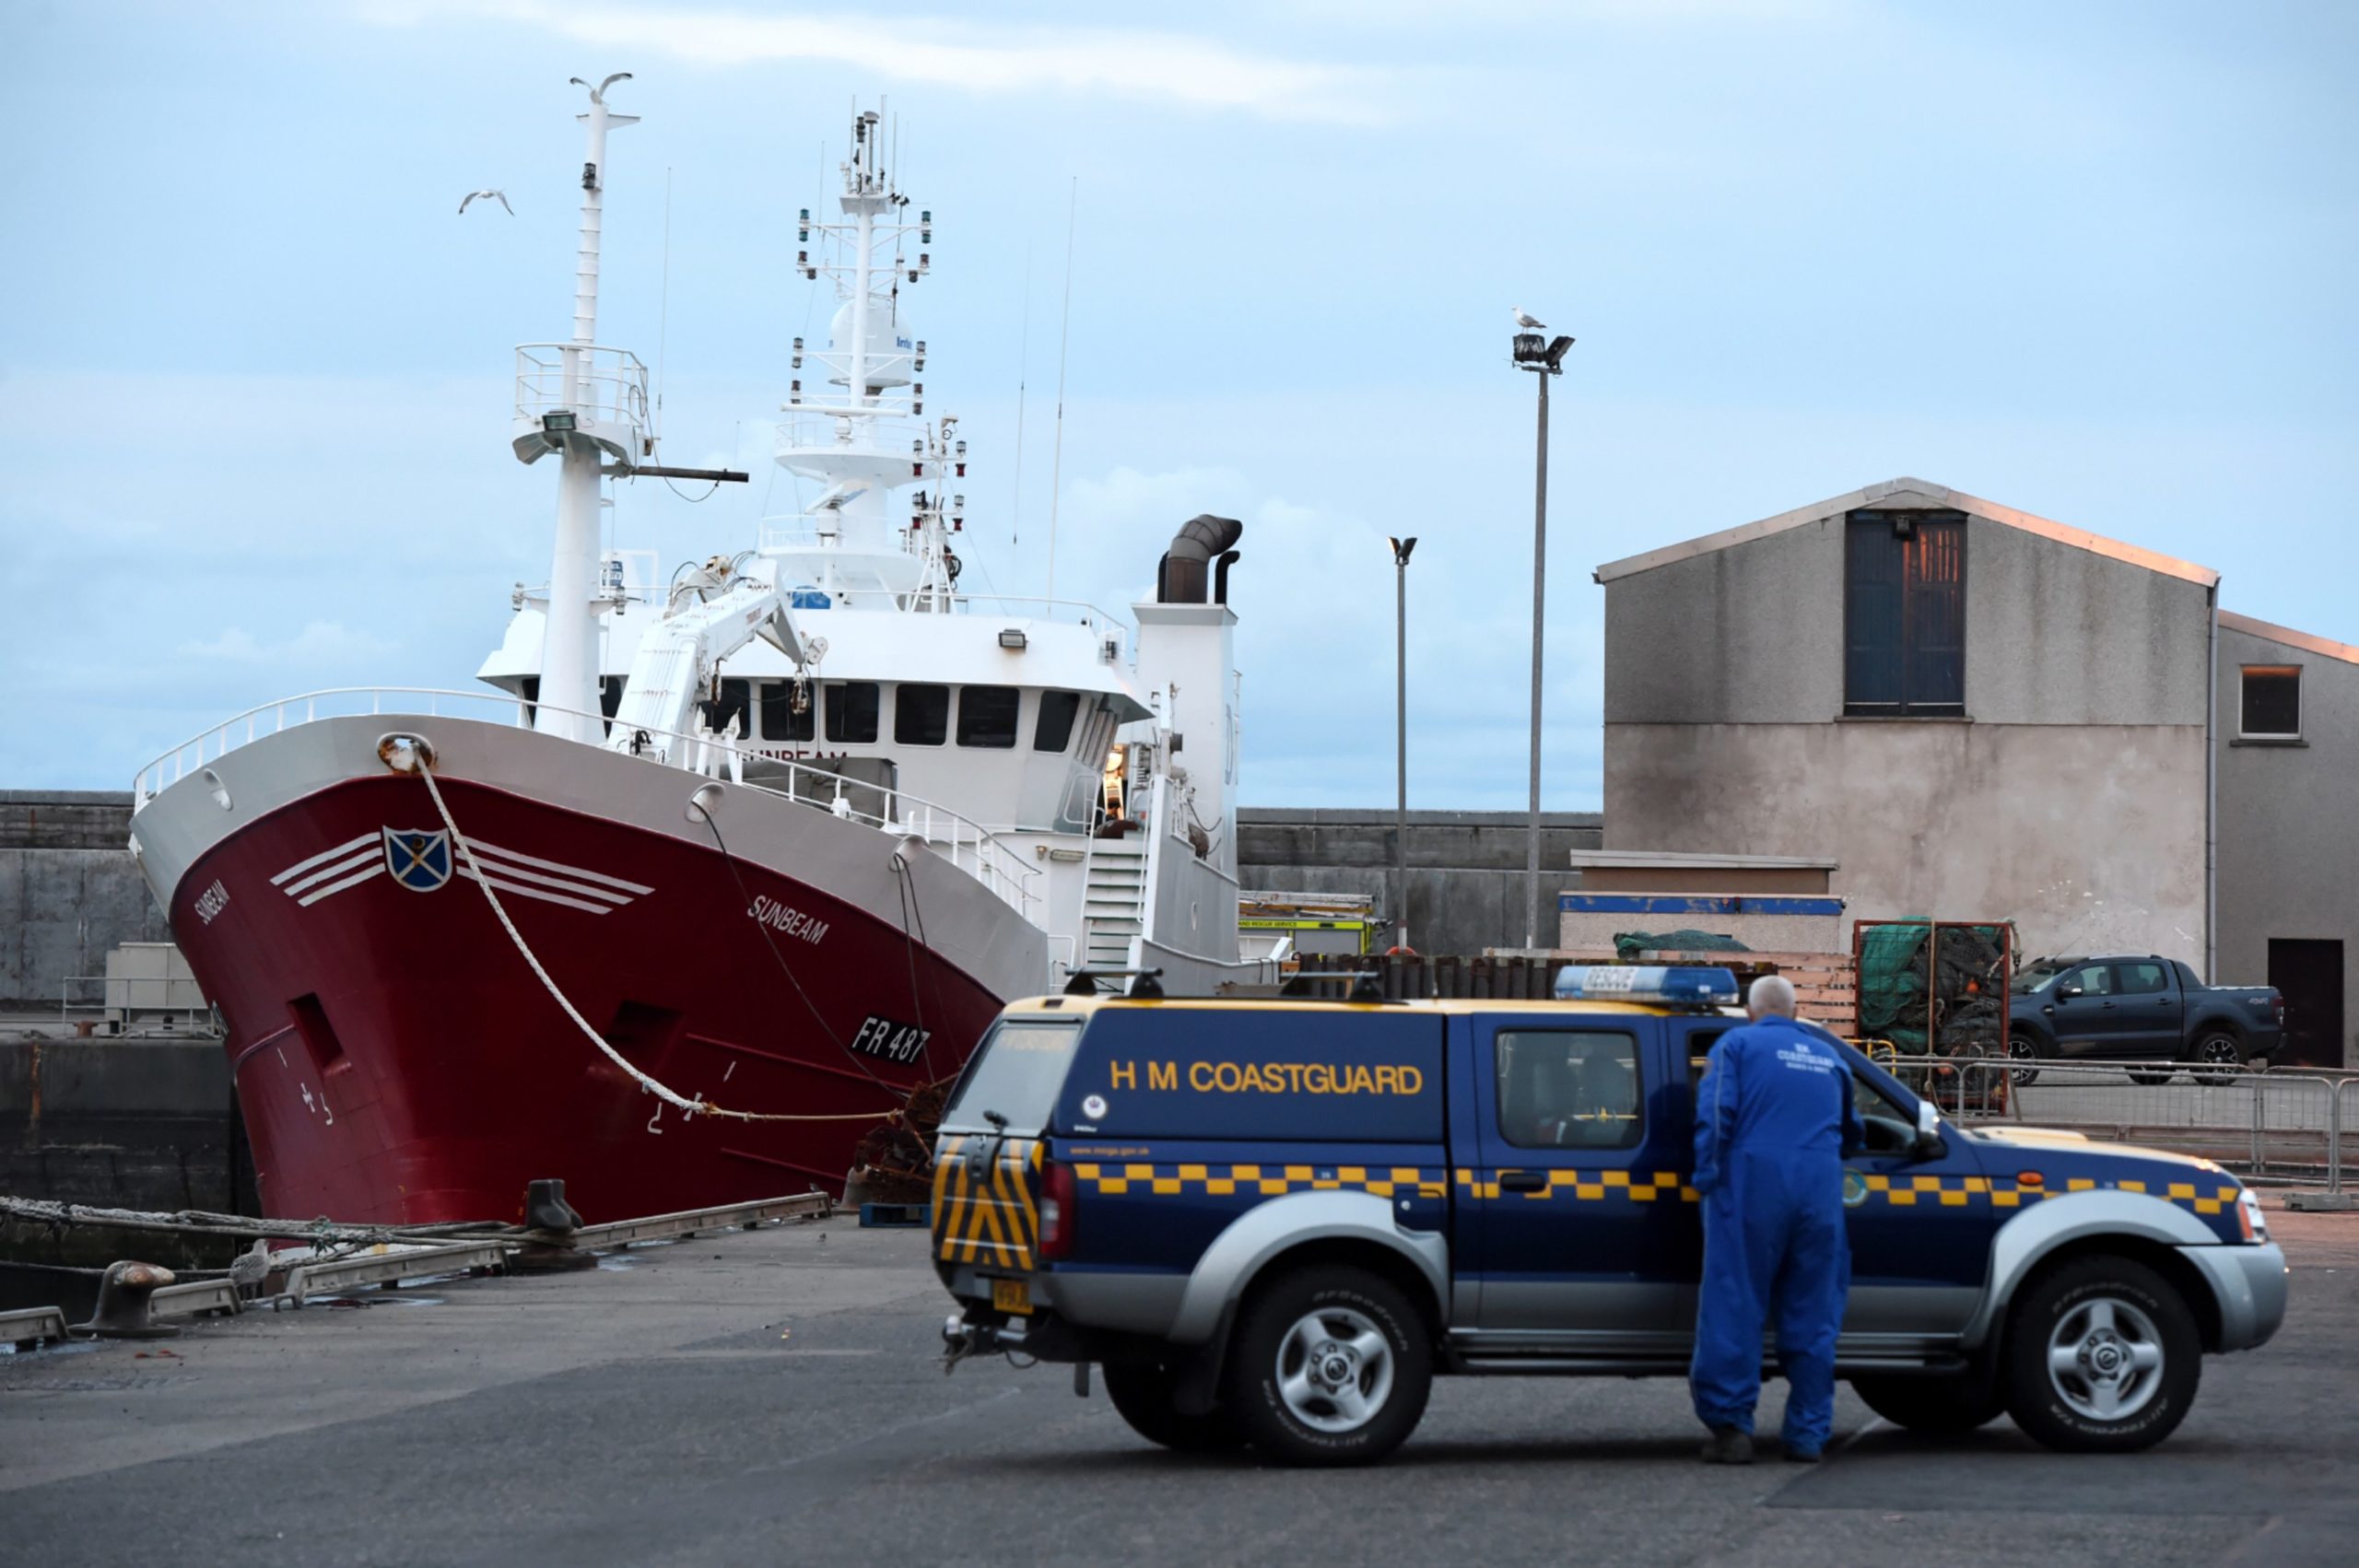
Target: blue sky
x,y
2091,260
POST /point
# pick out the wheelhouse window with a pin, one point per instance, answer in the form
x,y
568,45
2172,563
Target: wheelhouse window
x,y
852,713
2273,703
987,716
1569,1089
731,713
780,719
1904,615
921,715
1053,731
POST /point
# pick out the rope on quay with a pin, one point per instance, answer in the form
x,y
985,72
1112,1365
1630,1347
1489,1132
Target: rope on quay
x,y
698,1107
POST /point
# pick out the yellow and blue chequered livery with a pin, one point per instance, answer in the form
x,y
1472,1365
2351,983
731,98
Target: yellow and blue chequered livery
x,y
1257,1180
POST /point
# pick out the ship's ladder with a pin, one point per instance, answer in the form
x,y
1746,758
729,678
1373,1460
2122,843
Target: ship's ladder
x,y
1113,899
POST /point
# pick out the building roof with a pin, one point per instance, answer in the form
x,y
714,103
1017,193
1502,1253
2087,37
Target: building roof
x,y
1689,859
2307,642
1900,493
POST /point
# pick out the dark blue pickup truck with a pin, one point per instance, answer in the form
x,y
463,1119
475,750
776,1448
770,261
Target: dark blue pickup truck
x,y
2143,1010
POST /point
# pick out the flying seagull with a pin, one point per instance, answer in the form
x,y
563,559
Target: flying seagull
x,y
1526,320
500,196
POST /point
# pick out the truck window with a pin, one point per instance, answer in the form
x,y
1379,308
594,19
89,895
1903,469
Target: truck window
x,y
1569,1089
1016,1074
2140,980
2094,979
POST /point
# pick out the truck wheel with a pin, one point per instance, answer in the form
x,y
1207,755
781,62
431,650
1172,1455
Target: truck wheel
x,y
2102,1357
1951,1404
2021,1049
1330,1366
1142,1396
2150,1079
2222,1051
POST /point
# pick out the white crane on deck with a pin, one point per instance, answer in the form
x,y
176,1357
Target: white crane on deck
x,y
715,609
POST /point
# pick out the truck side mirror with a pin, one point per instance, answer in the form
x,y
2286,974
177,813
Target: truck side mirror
x,y
1929,1143
2067,991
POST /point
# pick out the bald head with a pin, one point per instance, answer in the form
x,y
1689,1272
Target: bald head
x,y
1772,996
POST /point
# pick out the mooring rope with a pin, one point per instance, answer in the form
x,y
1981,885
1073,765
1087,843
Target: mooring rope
x,y
698,1107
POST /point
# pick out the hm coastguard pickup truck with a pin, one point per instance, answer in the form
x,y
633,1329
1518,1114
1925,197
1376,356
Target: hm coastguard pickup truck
x,y
1274,1221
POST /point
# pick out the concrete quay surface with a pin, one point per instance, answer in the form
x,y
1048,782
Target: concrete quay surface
x,y
774,1396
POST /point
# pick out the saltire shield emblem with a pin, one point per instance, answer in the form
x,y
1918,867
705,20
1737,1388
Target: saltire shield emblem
x,y
419,862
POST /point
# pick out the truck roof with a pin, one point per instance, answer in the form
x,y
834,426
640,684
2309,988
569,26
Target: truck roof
x,y
1085,1005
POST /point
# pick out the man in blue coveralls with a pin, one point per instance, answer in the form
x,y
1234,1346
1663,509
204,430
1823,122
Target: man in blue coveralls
x,y
1773,1121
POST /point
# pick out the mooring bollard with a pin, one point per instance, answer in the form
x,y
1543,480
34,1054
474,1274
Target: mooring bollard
x,y
123,1296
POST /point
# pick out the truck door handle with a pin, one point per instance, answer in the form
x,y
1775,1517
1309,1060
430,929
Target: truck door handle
x,y
1523,1181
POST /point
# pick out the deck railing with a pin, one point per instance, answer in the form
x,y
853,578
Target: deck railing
x,y
964,843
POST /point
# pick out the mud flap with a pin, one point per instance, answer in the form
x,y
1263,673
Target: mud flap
x,y
1197,1388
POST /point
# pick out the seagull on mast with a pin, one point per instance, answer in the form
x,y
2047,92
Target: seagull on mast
x,y
500,196
598,93
1526,320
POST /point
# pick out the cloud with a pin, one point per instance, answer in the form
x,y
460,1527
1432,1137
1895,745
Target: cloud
x,y
319,643
1195,73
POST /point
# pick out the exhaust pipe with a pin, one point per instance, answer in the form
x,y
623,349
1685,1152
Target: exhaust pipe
x,y
1180,577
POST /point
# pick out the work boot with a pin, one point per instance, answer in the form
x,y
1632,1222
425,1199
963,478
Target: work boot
x,y
1796,1455
1726,1446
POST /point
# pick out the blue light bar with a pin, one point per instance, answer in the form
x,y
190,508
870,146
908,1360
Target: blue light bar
x,y
1665,985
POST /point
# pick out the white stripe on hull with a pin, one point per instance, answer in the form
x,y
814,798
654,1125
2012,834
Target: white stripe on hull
x,y
302,866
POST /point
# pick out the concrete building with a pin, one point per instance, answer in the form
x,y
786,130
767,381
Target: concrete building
x,y
2289,827
69,892
1977,714
1466,881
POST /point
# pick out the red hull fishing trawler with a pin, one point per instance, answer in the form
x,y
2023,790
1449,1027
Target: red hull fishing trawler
x,y
712,875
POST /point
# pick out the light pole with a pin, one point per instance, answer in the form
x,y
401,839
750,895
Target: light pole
x,y
1534,353
1400,548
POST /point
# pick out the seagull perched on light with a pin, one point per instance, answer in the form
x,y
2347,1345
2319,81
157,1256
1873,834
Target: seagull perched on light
x,y
500,196
1526,320
598,93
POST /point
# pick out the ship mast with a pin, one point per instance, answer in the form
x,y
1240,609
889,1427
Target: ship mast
x,y
849,541
589,404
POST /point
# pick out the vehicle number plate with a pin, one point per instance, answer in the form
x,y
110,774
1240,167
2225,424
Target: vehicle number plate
x,y
1012,1296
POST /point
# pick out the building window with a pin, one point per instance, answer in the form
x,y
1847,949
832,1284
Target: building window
x,y
920,715
1053,729
987,716
852,713
2272,706
780,721
1904,615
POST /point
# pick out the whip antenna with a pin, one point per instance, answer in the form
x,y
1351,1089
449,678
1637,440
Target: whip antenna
x,y
1023,370
1064,334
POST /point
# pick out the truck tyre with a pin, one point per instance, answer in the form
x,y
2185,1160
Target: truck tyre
x,y
1142,1397
2022,1048
2223,1050
2102,1357
1330,1365
2148,1080
1952,1404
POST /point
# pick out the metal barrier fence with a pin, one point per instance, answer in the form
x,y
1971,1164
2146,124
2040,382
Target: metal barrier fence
x,y
2273,1125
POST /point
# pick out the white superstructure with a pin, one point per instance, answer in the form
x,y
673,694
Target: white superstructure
x,y
840,661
